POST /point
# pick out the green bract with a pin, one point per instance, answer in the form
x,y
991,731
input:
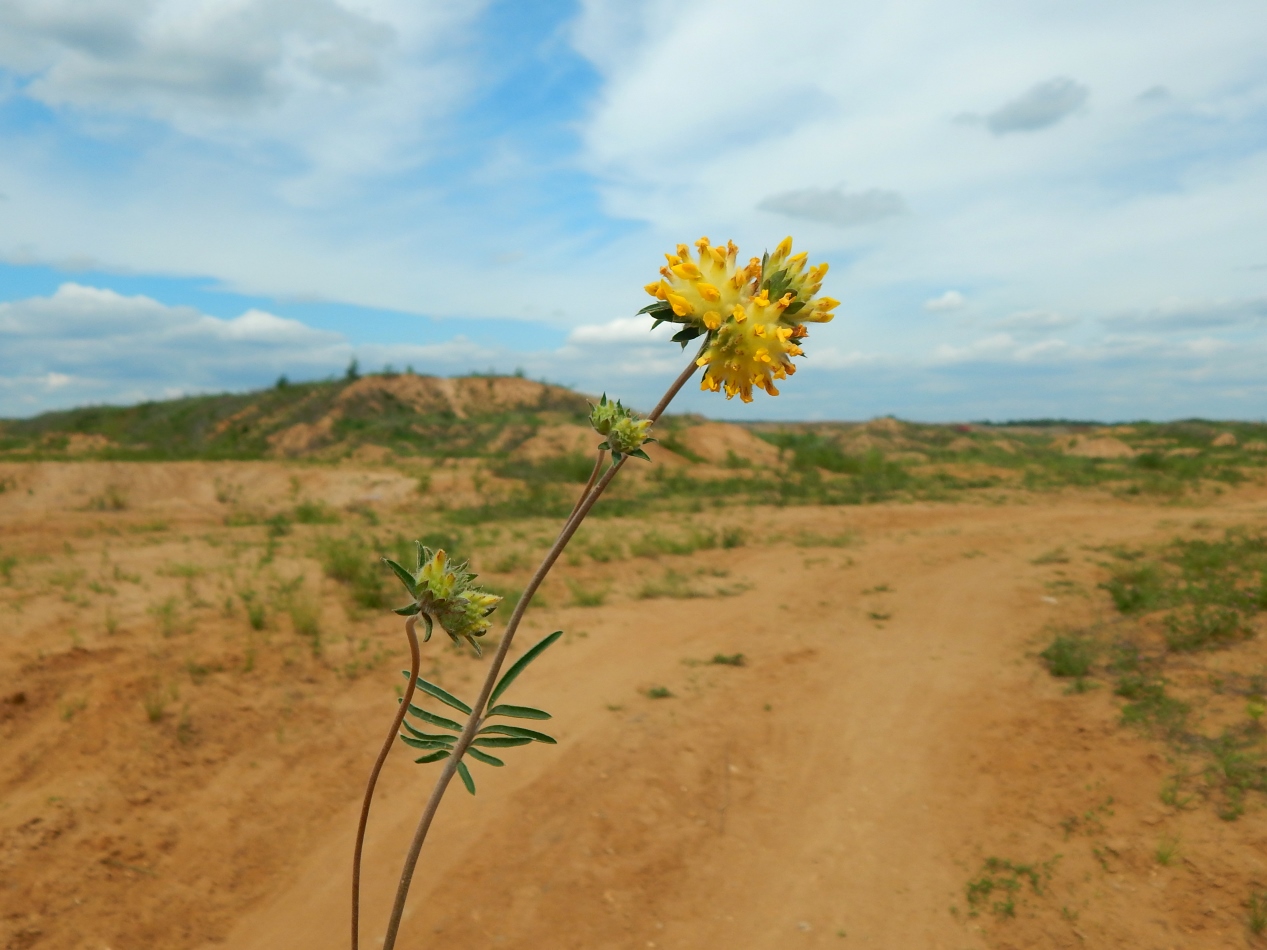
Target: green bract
x,y
625,434
442,590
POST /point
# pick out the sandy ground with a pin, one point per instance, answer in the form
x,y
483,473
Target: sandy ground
x,y
890,731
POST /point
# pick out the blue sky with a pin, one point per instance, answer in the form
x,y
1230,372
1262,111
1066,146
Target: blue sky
x,y
1049,209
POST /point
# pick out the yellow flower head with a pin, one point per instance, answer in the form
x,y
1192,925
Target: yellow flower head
x,y
754,315
443,590
700,291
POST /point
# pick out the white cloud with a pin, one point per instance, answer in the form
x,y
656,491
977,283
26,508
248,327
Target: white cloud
x,y
634,330
947,302
345,88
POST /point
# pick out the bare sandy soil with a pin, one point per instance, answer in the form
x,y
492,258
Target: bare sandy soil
x,y
172,777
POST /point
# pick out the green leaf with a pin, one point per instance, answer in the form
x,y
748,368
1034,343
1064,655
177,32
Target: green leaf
x,y
432,718
500,742
408,610
405,577
465,774
653,307
639,454
445,697
430,736
520,733
423,743
484,757
424,555
434,756
513,673
519,712
686,335
795,307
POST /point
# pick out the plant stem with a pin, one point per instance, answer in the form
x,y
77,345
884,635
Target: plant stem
x,y
588,499
414,663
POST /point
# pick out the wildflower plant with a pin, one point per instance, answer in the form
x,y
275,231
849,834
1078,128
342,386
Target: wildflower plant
x,y
752,320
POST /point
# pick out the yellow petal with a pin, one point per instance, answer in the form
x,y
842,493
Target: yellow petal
x,y
681,306
707,291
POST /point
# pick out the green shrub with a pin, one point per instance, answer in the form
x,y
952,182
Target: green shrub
x,y
1069,656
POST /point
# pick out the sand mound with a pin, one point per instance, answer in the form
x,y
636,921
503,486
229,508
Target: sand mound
x,y
1224,440
553,441
1104,447
717,442
463,396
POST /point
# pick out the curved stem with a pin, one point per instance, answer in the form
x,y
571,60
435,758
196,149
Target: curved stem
x,y
415,662
588,500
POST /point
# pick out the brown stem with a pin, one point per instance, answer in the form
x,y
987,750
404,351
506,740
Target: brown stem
x,y
414,664
473,723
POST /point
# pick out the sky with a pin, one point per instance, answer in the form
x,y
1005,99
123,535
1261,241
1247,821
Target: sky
x,y
1047,209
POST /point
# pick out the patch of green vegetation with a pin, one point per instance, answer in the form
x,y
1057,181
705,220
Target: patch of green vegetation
x,y
571,468
1070,656
659,692
1001,883
583,596
672,584
314,512
353,562
728,659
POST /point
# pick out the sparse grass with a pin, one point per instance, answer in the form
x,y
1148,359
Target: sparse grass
x,y
811,539
728,659
1001,884
306,622
659,692
256,612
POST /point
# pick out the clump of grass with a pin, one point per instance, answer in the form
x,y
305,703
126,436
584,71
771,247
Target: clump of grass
x,y
1167,850
728,659
583,596
733,538
1069,656
256,613
350,561
653,544
604,550
111,499
155,702
314,512
659,692
167,615
306,622
1054,556
7,563
672,584
1201,627
1257,919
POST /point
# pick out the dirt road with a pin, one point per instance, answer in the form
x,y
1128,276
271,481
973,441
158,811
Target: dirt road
x,y
889,732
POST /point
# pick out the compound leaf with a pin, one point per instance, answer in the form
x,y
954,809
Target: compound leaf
x,y
420,713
